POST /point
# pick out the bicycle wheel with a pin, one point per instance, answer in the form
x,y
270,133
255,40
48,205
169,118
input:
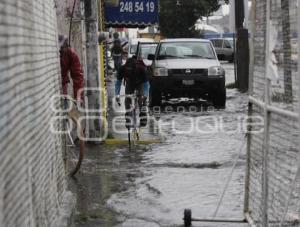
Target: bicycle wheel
x,y
135,132
74,155
135,136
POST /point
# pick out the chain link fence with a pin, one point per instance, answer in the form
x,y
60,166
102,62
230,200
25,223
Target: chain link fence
x,y
273,173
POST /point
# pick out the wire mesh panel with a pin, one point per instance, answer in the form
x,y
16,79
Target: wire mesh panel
x,y
282,168
256,166
259,35
283,50
273,182
32,176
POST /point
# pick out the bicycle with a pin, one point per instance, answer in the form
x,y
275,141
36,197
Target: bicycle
x,y
73,128
131,117
135,128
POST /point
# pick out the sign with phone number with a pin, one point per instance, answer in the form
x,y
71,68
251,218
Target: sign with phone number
x,y
131,13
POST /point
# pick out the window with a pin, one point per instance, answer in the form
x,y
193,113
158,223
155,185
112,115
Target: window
x,y
186,49
217,43
133,49
227,44
146,49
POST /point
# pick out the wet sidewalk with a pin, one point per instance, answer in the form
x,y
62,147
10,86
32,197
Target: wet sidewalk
x,y
152,184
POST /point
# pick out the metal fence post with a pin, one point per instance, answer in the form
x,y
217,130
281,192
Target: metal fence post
x,y
298,28
250,110
267,114
298,119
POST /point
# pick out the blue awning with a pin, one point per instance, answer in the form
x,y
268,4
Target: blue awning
x,y
131,13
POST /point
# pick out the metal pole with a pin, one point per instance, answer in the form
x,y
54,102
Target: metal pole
x,y
235,58
251,47
298,26
265,191
84,60
274,109
242,47
219,220
92,53
248,165
250,111
239,14
292,186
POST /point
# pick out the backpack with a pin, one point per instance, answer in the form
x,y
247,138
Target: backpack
x,y
117,47
130,74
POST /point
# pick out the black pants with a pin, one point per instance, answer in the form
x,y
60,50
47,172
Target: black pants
x,y
117,62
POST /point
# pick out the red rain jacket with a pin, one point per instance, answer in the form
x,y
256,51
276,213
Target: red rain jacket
x,y
69,62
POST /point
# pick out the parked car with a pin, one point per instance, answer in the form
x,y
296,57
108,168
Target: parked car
x,y
144,49
224,48
133,43
187,68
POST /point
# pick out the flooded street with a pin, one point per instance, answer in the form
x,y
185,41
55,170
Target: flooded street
x,y
150,113
151,185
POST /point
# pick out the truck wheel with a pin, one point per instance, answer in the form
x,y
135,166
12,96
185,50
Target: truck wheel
x,y
187,218
219,97
155,98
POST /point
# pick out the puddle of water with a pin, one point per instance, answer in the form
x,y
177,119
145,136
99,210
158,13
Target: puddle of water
x,y
187,172
152,185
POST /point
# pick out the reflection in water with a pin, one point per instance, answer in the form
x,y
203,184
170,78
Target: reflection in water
x,y
106,171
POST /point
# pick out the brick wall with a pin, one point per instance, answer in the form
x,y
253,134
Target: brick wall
x,y
32,184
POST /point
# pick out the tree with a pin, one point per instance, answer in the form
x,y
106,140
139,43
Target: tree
x,y
178,18
212,6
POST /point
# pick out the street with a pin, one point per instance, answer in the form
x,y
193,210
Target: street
x,y
152,184
131,113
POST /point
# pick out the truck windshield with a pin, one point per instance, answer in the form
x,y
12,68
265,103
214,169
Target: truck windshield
x,y
173,50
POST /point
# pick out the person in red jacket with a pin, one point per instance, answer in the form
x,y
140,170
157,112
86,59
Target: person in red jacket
x,y
70,64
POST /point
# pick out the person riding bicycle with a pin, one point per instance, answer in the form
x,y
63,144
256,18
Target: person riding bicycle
x,y
70,64
133,72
